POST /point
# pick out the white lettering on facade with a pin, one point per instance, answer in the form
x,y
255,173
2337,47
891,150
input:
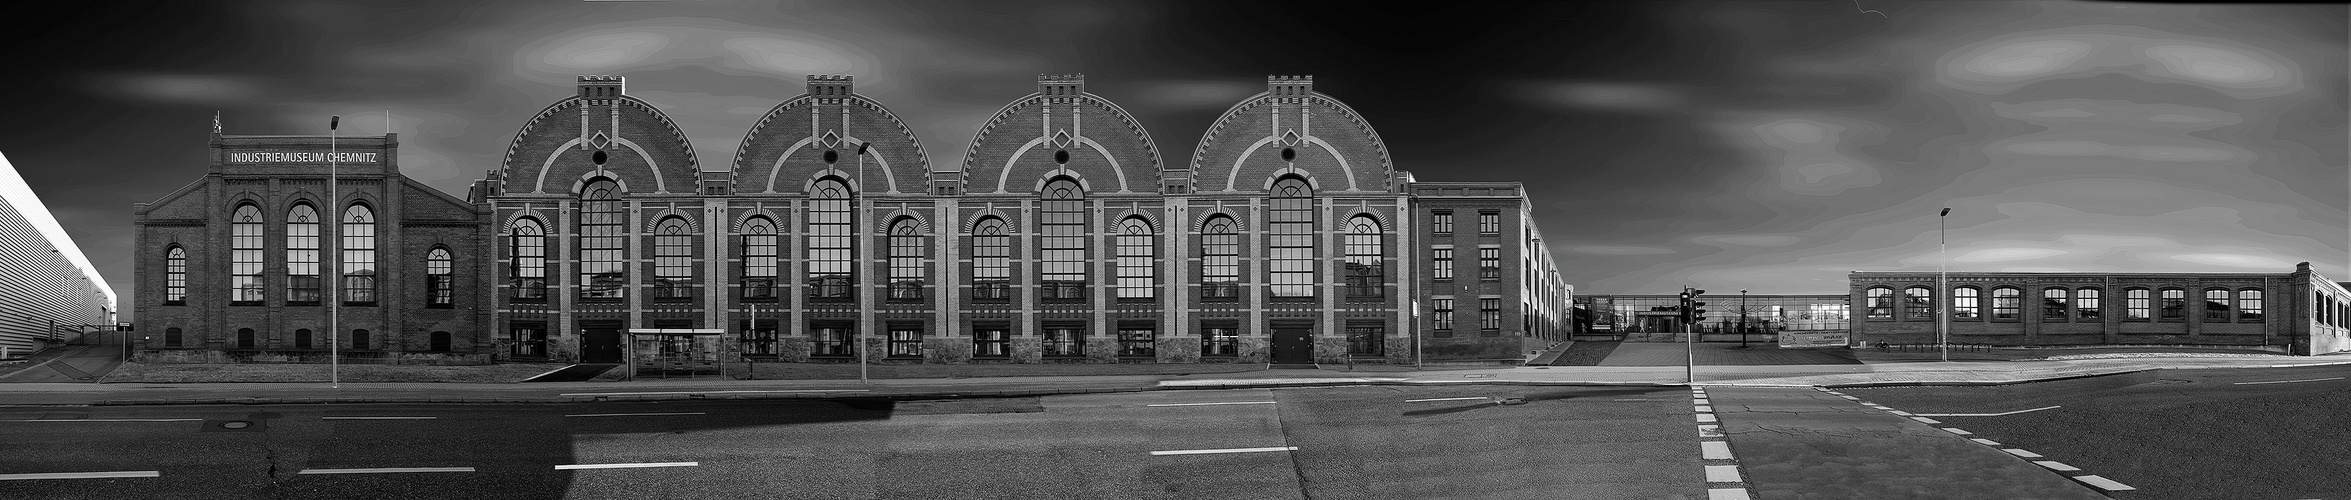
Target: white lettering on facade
x,y
300,157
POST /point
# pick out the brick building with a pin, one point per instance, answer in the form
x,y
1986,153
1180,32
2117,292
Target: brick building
x,y
1062,237
2298,312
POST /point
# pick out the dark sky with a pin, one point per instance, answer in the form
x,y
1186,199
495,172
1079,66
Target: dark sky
x,y
1748,144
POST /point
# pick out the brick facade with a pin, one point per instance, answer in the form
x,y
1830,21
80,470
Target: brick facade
x,y
2292,317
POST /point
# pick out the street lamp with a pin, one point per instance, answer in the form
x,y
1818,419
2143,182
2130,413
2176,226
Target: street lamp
x,y
334,262
1943,285
1742,318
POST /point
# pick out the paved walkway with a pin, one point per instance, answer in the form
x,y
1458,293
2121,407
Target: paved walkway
x,y
1717,354
84,365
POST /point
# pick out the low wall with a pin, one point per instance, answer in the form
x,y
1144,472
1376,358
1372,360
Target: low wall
x,y
198,356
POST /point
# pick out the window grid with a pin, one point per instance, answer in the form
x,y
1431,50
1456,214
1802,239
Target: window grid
x,y
440,284
529,251
1220,341
829,245
2085,303
302,267
991,342
1220,264
1489,223
2249,305
359,255
602,273
1881,303
673,260
832,340
175,276
1443,220
2173,304
760,262
1963,303
1366,339
1367,273
1062,245
2216,305
1490,314
2005,303
1064,340
1444,261
1137,260
991,261
1441,318
905,341
2053,304
906,253
245,254
1291,249
759,336
1138,342
1489,263
2134,304
1918,303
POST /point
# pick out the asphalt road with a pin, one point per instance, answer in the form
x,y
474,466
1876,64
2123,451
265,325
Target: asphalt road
x,y
2189,434
85,366
1347,442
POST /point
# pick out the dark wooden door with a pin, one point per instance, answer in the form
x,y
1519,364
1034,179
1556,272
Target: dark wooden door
x,y
599,342
1293,345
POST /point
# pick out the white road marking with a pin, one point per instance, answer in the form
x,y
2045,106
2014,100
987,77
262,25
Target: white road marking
x,y
2003,414
1226,450
627,466
1714,450
1986,442
2288,382
2021,452
1481,398
1231,403
630,414
1902,413
80,475
1956,430
1706,417
1706,409
386,470
108,420
1926,420
1642,400
377,418
1710,431
1722,473
2104,483
708,392
1699,401
1727,494
2055,465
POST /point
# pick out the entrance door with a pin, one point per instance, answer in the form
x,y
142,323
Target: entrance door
x,y
1293,344
599,342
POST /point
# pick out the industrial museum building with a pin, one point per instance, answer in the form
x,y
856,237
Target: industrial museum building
x,y
1063,237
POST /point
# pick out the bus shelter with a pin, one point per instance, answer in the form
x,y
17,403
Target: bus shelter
x,y
674,352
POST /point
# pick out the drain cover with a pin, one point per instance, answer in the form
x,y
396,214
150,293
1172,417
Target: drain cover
x,y
235,424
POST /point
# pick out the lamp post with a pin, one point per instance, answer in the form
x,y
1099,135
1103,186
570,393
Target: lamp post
x,y
863,326
1742,318
1943,285
334,261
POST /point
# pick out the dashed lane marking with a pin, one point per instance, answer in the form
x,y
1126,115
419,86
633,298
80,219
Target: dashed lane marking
x,y
1703,417
1714,450
1444,399
80,475
1956,430
632,414
2056,465
2002,414
1225,450
1722,473
1706,408
1727,494
2103,483
377,418
1227,403
1926,420
1985,442
2290,381
628,465
1710,431
2021,452
386,470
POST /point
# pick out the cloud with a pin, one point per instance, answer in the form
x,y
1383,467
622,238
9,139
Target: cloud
x,y
1620,250
1196,94
194,89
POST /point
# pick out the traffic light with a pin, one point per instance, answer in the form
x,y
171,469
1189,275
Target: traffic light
x,y
1683,310
1697,308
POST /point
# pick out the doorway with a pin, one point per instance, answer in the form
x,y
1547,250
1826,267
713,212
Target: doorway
x,y
1293,343
600,341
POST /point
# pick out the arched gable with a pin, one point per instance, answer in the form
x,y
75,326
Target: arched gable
x,y
790,142
639,142
1320,134
1062,127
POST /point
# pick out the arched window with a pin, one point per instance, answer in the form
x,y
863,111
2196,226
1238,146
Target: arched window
x,y
1367,270
906,253
302,338
2216,305
2174,304
1963,303
1291,261
1063,241
1220,260
991,261
2249,305
673,259
1138,258
175,276
603,239
173,337
2134,304
2005,303
440,288
1881,302
1918,303
829,244
359,255
2053,304
2085,304
245,338
528,249
302,285
760,265
245,249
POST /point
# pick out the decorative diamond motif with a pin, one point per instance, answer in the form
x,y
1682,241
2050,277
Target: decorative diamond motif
x,y
1290,138
599,141
1061,139
830,139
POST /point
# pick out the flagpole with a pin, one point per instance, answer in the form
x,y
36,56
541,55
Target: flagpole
x,y
334,301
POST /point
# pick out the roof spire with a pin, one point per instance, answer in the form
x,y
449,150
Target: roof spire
x,y
216,121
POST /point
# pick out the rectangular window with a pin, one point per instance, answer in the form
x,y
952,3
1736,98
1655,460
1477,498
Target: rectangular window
x,y
1290,248
991,262
1062,250
905,340
302,254
759,336
1963,303
760,262
1444,261
1220,261
1220,339
2174,304
441,291
1065,340
2248,305
2005,303
172,337
833,339
245,249
1137,341
2134,304
1490,263
528,248
907,272
527,340
1881,303
2053,305
991,341
1443,220
1366,269
1489,222
1138,274
302,338
1366,338
1441,317
1490,314
673,262
2085,303
175,276
829,245
2216,306
1919,302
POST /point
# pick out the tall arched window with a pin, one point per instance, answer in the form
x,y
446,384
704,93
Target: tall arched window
x,y
302,285
603,239
1291,263
440,288
1138,276
1963,303
2216,305
2085,304
2005,303
2053,304
1918,303
906,254
1220,260
2249,305
245,249
991,261
673,259
1063,241
1367,270
359,255
528,249
760,266
1881,302
829,244
2173,304
175,276
2134,304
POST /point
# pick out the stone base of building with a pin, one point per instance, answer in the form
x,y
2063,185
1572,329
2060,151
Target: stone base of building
x,y
194,356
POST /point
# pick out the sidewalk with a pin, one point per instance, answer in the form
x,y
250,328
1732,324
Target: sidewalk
x,y
1841,375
